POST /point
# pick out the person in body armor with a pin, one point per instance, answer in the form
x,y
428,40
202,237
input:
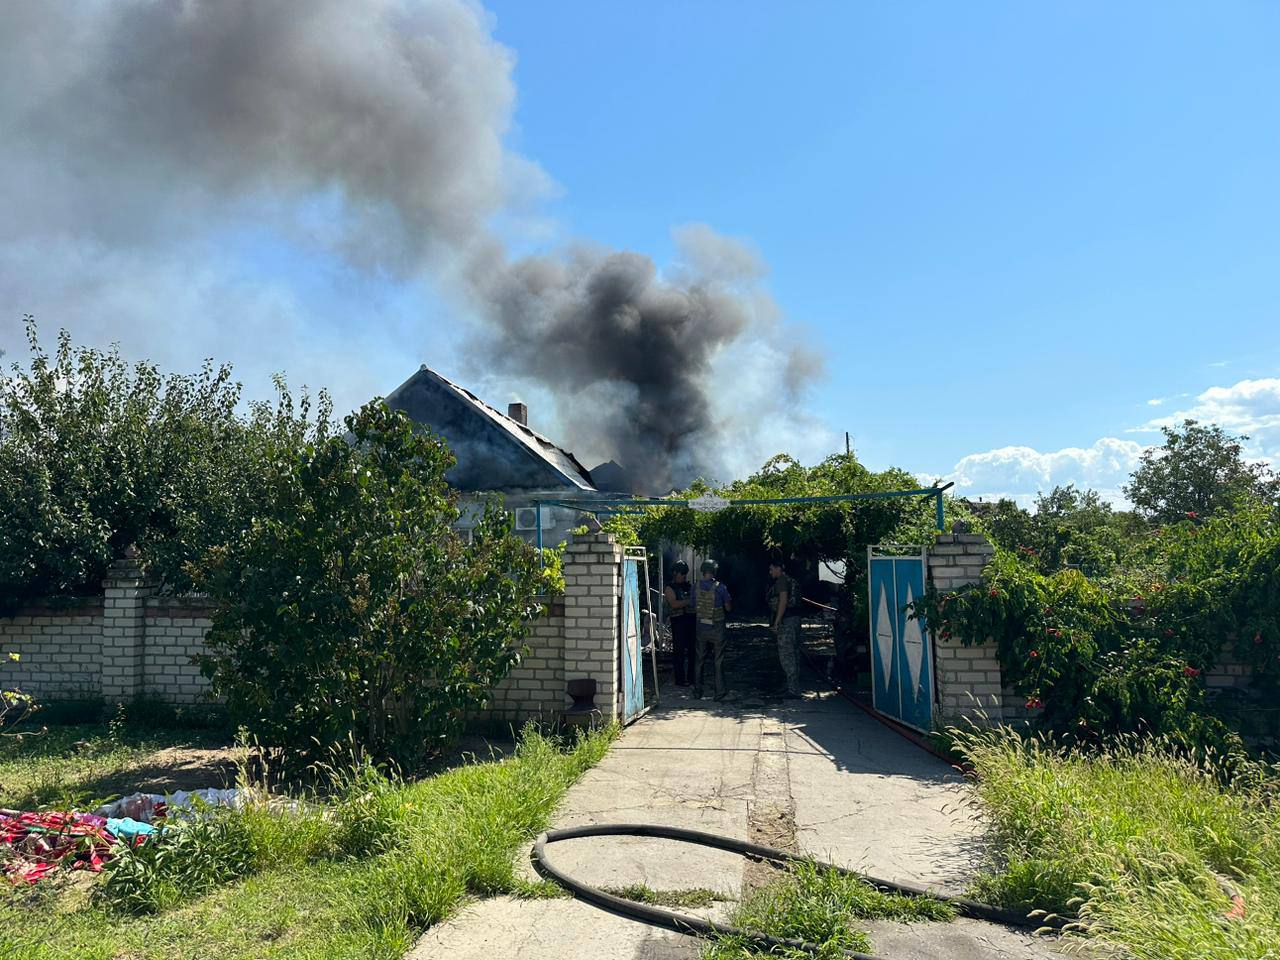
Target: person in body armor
x,y
784,607
711,601
679,594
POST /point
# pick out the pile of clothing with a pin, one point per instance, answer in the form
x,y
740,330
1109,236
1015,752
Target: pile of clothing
x,y
34,844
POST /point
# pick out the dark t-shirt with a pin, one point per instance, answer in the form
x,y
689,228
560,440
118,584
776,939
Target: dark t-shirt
x,y
682,592
788,584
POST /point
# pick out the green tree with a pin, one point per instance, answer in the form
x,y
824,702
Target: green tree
x,y
1069,527
352,610
1198,472
97,454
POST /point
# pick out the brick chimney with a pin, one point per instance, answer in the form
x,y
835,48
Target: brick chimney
x,y
519,413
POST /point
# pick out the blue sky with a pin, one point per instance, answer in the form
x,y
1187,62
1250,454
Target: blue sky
x,y
1021,235
1006,224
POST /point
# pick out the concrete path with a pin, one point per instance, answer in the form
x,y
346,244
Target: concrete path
x,y
818,773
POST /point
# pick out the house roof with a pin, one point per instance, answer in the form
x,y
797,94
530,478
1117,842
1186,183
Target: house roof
x,y
494,452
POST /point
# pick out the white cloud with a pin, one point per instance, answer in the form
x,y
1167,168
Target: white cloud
x,y
1247,407
1019,473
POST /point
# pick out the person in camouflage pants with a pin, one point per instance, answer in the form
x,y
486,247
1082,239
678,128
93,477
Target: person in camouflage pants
x,y
784,609
711,602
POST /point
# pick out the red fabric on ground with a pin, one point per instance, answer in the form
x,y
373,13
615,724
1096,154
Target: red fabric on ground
x,y
42,842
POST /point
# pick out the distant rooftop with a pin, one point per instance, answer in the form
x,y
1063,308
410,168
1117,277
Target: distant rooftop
x,y
494,451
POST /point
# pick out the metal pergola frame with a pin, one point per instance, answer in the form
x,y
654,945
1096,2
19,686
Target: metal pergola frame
x,y
625,505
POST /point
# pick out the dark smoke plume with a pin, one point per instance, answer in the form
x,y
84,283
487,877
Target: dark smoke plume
x,y
632,357
136,136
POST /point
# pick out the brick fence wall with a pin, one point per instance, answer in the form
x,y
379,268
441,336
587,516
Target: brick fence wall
x,y
968,677
592,609
132,642
174,633
59,649
534,689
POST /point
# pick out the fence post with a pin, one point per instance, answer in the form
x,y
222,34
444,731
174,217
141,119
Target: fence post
x,y
125,591
969,677
592,578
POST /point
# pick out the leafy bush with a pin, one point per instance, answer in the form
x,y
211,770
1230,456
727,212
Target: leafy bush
x,y
352,611
97,455
1072,649
1129,652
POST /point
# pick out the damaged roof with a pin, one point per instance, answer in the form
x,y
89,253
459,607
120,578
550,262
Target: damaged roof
x,y
494,451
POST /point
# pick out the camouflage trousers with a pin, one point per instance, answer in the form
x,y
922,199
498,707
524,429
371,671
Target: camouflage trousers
x,y
710,641
788,634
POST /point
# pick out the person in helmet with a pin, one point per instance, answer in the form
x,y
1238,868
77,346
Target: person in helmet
x,y
680,602
711,602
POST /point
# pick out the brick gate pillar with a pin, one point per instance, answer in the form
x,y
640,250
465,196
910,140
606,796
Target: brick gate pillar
x,y
593,583
969,679
125,591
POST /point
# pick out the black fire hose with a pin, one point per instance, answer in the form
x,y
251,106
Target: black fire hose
x,y
696,926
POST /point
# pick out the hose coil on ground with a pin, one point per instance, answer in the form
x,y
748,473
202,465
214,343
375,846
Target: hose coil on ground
x,y
697,926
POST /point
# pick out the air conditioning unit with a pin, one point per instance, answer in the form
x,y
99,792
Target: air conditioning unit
x,y
527,518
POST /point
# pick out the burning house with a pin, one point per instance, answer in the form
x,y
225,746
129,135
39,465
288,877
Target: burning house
x,y
497,453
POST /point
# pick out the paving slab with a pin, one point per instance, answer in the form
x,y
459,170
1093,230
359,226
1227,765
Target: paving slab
x,y
961,939
867,798
686,765
817,774
548,930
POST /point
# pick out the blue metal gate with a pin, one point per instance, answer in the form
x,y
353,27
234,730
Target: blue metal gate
x,y
901,663
631,640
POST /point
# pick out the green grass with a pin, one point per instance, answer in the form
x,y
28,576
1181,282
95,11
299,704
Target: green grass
x,y
359,879
48,769
1137,840
690,899
821,906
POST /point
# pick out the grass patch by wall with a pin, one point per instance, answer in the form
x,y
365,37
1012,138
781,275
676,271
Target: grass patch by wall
x,y
359,878
1144,843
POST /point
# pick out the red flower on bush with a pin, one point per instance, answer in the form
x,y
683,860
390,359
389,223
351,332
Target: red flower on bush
x,y
1191,671
1168,631
1034,703
1191,514
1035,653
993,592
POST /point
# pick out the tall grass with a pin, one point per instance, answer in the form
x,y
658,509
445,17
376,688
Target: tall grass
x,y
1141,841
358,876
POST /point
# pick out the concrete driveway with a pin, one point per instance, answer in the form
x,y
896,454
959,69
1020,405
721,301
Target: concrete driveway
x,y
815,774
